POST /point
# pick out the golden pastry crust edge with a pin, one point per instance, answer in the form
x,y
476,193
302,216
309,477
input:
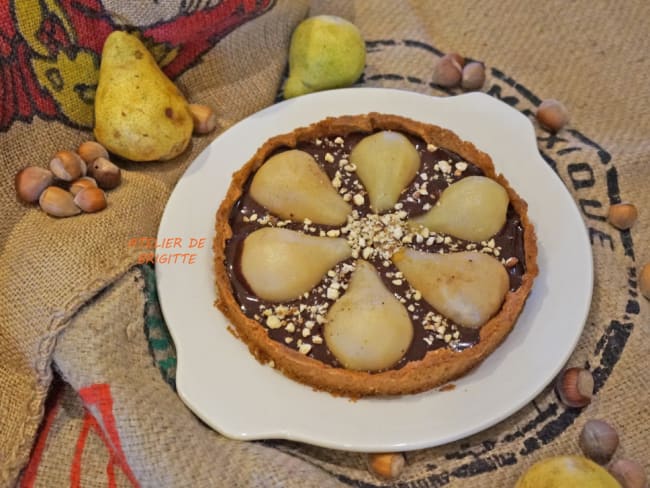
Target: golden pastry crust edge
x,y
438,366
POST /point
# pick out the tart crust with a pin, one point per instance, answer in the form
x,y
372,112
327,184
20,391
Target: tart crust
x,y
437,366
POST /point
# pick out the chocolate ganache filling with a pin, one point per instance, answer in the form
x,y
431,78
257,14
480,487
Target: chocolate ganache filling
x,y
302,319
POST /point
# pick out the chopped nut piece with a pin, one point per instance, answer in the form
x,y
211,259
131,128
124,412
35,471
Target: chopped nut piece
x,y
358,199
431,147
304,348
329,158
317,339
338,140
444,166
332,294
273,322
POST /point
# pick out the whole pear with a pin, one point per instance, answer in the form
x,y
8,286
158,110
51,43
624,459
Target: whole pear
x,y
139,113
566,472
326,51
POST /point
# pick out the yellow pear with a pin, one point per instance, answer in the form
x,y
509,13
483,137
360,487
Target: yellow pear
x,y
326,51
566,472
139,113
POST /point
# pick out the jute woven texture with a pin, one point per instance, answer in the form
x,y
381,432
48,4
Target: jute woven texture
x,y
69,300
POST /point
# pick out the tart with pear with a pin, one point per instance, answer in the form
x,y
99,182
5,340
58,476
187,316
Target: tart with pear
x,y
372,255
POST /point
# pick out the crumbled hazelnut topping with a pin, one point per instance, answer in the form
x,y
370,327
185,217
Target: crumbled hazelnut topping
x,y
431,147
273,322
339,140
332,294
358,199
329,157
317,339
444,166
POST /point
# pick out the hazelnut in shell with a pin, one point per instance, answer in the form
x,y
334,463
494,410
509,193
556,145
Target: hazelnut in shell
x,y
204,118
622,215
31,181
447,72
67,166
473,76
598,440
629,473
386,465
106,174
575,387
91,200
644,281
81,184
58,202
91,150
552,115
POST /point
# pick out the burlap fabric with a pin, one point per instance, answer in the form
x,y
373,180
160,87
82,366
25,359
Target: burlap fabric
x,y
71,302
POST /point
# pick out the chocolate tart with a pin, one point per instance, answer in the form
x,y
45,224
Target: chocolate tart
x,y
292,330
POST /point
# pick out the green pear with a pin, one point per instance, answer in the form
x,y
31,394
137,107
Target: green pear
x,y
139,113
325,52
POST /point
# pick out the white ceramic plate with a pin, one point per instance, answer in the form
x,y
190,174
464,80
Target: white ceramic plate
x,y
228,389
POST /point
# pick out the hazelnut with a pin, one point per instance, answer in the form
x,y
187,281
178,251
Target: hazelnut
x,y
575,387
552,115
622,215
628,473
447,71
107,174
458,58
644,281
205,119
91,150
81,184
31,181
386,465
91,200
58,202
598,441
68,166
473,77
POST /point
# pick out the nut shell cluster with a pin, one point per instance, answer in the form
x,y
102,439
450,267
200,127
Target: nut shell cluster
x,y
75,182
